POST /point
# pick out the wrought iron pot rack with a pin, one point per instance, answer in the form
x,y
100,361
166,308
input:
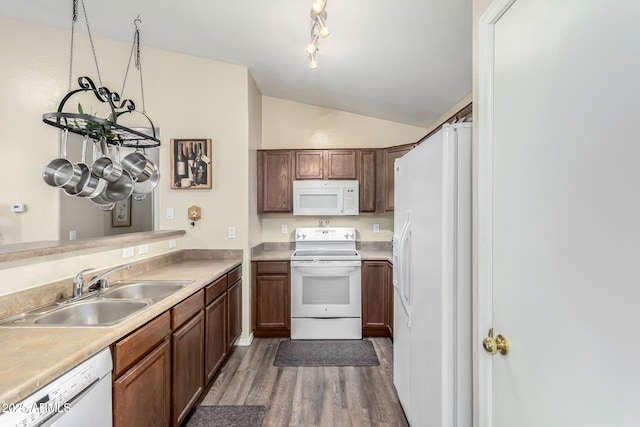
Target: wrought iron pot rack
x,y
96,127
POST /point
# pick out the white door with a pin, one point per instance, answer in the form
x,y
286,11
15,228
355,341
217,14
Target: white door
x,y
559,213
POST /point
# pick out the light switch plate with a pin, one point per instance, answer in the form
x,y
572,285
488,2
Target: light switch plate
x,y
232,233
376,228
169,213
172,244
143,249
284,229
72,235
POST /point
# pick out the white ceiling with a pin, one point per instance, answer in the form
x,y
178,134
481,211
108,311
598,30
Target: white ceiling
x,y
407,61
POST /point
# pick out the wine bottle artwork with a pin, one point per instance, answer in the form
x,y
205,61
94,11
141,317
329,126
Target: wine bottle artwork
x,y
191,164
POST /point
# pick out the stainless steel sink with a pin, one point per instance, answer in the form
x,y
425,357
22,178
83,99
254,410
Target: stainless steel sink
x,y
91,313
100,307
156,289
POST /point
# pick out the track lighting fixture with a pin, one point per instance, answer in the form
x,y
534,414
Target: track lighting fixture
x,y
318,27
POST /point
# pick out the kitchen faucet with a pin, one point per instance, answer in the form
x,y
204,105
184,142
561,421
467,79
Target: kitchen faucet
x,y
78,282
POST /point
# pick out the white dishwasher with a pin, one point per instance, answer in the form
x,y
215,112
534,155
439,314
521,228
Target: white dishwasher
x,y
79,397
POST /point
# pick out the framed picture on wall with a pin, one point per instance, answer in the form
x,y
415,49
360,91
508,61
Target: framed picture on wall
x,y
121,213
191,163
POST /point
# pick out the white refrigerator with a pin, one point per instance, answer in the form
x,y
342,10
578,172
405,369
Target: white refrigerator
x,y
432,279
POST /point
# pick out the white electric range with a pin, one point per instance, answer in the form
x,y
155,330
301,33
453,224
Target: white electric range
x,y
326,284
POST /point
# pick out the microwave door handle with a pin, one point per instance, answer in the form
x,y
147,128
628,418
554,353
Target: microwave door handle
x,y
343,190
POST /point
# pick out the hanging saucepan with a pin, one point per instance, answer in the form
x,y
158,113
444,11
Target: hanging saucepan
x,y
74,190
139,166
105,167
122,187
141,189
61,172
94,185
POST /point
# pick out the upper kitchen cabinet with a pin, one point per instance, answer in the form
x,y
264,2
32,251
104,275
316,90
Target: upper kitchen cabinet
x,y
275,179
309,164
342,164
390,156
367,180
326,164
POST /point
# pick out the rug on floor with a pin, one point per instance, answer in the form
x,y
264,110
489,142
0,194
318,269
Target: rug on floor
x,y
228,416
326,353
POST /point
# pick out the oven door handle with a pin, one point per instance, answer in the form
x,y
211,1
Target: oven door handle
x,y
325,264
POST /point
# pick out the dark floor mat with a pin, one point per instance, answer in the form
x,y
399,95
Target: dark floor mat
x,y
326,353
228,416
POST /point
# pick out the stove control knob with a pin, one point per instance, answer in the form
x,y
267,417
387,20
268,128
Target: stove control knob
x,y
301,236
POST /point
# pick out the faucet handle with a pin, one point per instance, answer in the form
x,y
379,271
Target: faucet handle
x,y
79,277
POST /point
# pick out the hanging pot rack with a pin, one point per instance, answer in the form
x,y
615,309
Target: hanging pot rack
x,y
96,127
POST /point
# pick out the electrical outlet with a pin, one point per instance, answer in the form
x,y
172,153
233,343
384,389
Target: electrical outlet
x,y
376,228
172,244
127,253
232,233
169,213
72,235
143,249
284,229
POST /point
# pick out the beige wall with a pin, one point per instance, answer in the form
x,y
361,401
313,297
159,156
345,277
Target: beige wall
x,y
186,97
288,124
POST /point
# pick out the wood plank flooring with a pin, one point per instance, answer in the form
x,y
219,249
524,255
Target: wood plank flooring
x,y
309,396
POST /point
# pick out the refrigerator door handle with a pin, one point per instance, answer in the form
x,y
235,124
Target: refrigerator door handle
x,y
403,268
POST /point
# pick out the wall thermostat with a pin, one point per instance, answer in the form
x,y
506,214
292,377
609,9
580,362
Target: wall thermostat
x,y
17,207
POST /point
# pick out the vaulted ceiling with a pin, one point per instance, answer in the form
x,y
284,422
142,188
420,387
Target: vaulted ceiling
x,y
408,61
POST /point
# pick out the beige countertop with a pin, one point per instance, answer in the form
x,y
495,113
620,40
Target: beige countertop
x,y
31,357
279,252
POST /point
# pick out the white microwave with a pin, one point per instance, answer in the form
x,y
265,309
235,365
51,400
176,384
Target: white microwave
x,y
325,198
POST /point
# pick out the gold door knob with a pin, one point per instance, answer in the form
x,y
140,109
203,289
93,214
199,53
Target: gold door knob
x,y
499,344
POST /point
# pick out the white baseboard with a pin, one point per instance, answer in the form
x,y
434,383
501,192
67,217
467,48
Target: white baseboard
x,y
243,342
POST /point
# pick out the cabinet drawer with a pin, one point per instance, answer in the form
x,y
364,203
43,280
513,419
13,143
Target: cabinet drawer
x,y
272,267
215,289
234,275
187,308
130,349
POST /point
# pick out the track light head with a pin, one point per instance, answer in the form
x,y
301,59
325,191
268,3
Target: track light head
x,y
313,62
312,46
323,29
317,7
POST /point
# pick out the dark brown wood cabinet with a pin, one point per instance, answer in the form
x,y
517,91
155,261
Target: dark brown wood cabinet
x,y
215,335
275,181
160,369
187,349
377,312
367,180
234,307
342,164
390,156
309,164
142,376
270,296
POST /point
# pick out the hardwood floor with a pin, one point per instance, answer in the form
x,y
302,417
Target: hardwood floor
x,y
309,396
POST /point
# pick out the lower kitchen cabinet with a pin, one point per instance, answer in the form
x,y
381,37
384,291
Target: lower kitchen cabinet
x,y
234,304
375,299
142,375
270,297
160,370
187,347
215,340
